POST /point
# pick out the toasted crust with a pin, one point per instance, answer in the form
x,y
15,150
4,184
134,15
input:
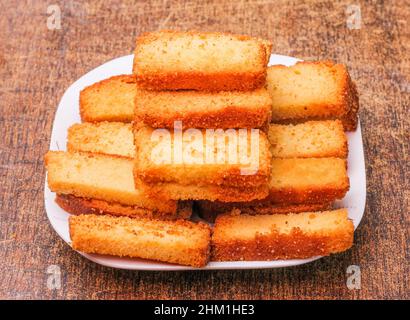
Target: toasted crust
x,y
111,99
222,81
320,90
151,170
76,205
177,191
308,181
230,117
239,109
309,196
100,177
111,138
179,241
160,61
209,210
351,118
312,139
272,237
268,48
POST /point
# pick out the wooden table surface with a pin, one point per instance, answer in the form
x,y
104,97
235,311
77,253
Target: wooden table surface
x,y
38,64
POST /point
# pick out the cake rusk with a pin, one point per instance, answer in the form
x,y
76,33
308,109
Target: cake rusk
x,y
312,139
111,99
209,210
312,90
206,61
102,177
78,205
111,138
199,164
202,157
281,236
181,241
308,180
199,109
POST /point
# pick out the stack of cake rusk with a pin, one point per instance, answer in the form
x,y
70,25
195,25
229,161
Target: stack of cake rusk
x,y
203,128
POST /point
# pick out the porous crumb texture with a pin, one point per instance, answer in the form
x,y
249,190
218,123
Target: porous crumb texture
x,y
205,164
311,180
312,139
111,99
312,90
113,138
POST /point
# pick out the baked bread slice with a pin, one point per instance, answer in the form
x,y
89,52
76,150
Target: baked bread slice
x,y
112,138
173,60
181,241
194,165
311,180
99,177
198,109
209,210
312,139
77,205
111,99
202,157
312,91
281,236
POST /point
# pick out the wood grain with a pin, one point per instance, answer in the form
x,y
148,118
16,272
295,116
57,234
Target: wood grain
x,y
38,64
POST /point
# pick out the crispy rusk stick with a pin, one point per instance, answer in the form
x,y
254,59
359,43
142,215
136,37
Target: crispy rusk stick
x,y
77,205
313,91
196,158
100,177
281,236
198,177
111,99
209,210
312,139
308,181
112,138
198,109
181,241
172,60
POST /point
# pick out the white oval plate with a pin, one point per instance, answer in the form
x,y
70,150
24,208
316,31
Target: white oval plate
x,y
68,113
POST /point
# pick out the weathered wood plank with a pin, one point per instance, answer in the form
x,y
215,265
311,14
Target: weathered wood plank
x,y
37,65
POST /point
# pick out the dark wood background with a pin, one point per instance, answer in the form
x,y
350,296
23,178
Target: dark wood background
x,y
38,64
